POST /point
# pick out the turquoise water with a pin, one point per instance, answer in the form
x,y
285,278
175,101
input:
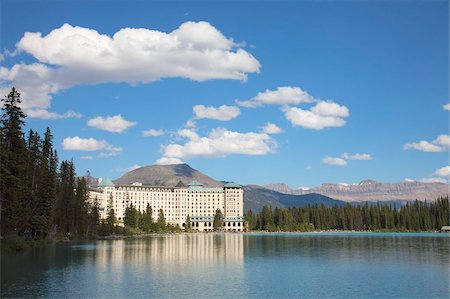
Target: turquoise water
x,y
319,265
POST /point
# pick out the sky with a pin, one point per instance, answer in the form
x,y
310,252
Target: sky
x,y
256,92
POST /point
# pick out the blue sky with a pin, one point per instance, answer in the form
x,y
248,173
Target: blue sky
x,y
353,89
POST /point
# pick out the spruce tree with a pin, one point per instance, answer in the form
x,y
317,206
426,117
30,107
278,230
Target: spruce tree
x,y
14,205
218,220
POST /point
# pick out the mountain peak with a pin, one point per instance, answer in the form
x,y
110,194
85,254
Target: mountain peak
x,y
166,175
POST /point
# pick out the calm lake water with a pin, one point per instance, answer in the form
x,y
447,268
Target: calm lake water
x,y
319,265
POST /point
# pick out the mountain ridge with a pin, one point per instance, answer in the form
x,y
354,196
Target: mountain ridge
x,y
370,190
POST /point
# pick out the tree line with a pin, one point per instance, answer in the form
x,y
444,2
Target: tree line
x,y
40,198
415,216
139,222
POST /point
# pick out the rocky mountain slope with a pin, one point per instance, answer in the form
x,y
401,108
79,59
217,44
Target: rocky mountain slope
x,y
369,190
256,197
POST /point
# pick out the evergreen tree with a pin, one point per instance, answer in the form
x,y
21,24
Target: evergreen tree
x,y
14,205
65,200
218,220
111,220
42,217
188,225
81,208
94,219
146,219
161,224
130,217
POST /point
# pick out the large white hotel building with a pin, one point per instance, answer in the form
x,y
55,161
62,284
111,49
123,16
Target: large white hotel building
x,y
198,202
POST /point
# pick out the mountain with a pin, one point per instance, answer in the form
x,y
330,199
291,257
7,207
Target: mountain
x,y
255,197
370,190
166,175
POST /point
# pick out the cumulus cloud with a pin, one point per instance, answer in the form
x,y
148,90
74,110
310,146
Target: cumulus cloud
x,y
114,124
446,107
188,133
334,161
45,114
271,128
443,140
219,143
440,144
360,157
91,144
73,55
153,133
83,144
322,115
223,113
443,172
284,95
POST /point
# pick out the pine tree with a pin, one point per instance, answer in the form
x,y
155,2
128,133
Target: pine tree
x,y
45,182
15,207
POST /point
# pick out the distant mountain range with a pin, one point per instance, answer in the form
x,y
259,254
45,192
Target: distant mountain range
x,y
281,195
369,190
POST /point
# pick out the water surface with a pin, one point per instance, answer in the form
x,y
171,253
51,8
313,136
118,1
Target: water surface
x,y
319,265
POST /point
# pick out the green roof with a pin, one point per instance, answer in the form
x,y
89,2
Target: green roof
x,y
106,182
195,183
232,185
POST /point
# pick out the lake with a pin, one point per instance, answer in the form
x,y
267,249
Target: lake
x,y
300,265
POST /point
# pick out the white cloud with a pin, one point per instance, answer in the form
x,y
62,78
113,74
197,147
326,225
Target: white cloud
x,y
219,143
111,151
284,95
115,124
334,161
72,55
408,180
90,144
45,114
322,115
188,133
153,133
423,146
360,157
329,108
86,158
223,113
443,140
83,144
446,107
443,172
133,167
433,180
190,124
168,161
440,144
271,128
